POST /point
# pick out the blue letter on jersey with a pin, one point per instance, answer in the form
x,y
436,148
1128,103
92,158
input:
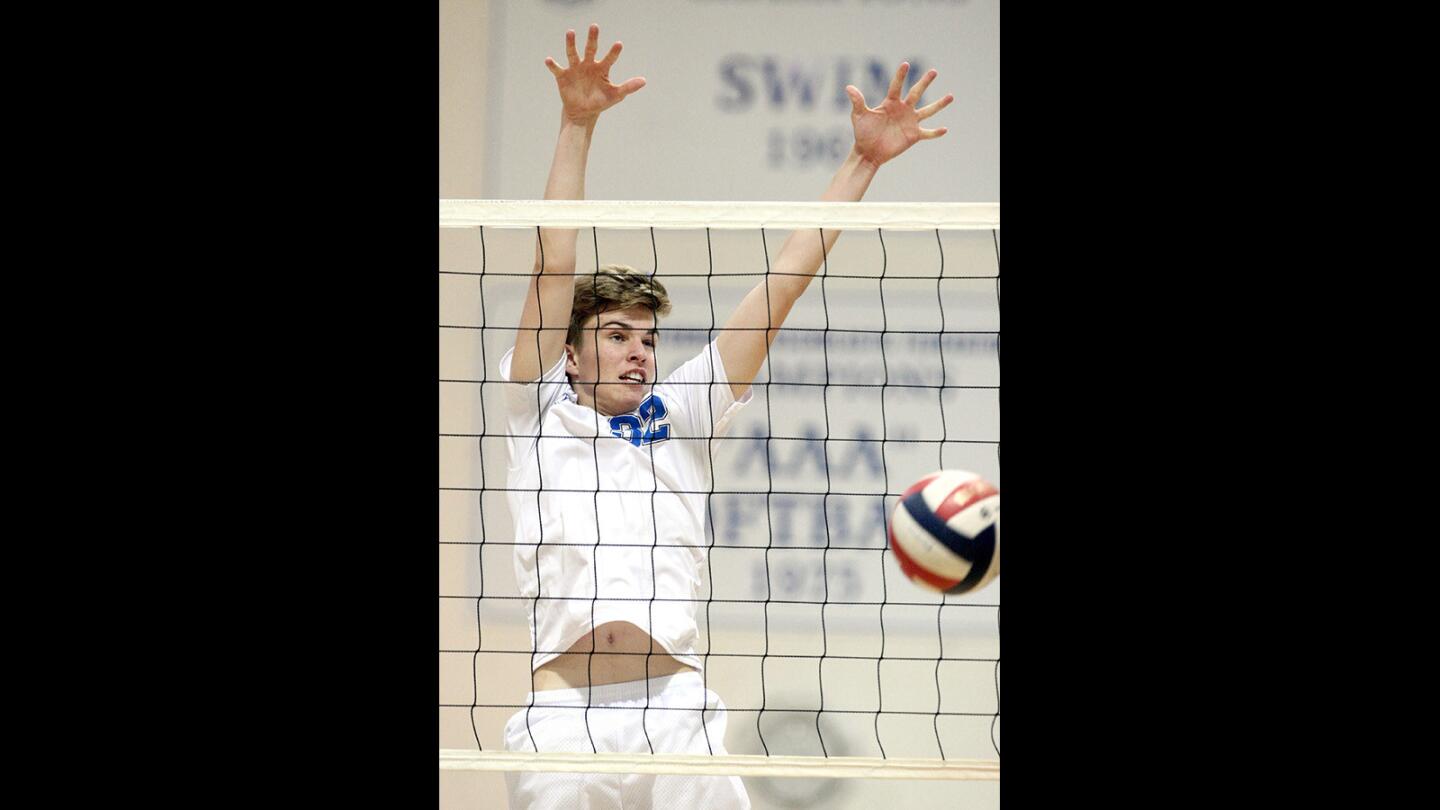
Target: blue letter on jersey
x,y
647,428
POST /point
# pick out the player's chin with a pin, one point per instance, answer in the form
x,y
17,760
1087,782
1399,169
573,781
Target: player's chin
x,y
625,397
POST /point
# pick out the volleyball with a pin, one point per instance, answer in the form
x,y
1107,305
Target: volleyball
x,y
945,531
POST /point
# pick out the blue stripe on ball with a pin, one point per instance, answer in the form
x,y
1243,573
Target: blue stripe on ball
x,y
983,549
958,543
978,551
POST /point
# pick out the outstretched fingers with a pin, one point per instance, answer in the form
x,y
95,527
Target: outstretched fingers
x,y
898,82
913,97
585,86
612,55
632,85
570,53
591,42
928,134
591,45
933,107
857,99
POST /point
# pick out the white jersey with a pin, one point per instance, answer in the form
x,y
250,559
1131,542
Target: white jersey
x,y
609,511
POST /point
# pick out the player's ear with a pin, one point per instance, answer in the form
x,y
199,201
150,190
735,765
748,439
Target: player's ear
x,y
571,365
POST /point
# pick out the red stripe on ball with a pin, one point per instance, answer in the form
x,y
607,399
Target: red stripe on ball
x,y
963,497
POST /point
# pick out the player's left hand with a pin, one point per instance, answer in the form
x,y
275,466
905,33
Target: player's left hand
x,y
883,132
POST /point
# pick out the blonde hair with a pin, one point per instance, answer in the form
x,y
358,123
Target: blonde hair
x,y
615,286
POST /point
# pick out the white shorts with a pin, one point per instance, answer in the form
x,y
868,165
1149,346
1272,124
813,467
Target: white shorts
x,y
683,717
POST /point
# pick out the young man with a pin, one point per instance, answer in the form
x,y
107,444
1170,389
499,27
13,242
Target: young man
x,y
609,471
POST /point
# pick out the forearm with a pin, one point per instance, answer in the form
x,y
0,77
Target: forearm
x,y
757,320
881,134
546,313
804,251
556,252
585,92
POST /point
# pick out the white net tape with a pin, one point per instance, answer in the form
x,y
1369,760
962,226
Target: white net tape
x,y
784,215
723,765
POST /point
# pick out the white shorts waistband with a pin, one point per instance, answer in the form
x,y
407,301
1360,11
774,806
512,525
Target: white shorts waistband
x,y
626,691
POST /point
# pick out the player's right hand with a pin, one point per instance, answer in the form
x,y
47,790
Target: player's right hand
x,y
585,86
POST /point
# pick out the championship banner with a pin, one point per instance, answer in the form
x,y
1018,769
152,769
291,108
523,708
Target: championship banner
x,y
745,99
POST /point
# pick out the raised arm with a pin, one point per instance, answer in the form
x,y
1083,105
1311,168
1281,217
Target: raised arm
x,y
881,134
585,92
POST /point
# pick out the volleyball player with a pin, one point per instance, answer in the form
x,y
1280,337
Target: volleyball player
x,y
612,544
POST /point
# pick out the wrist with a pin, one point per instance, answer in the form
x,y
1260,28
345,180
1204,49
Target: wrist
x,y
576,134
863,162
585,122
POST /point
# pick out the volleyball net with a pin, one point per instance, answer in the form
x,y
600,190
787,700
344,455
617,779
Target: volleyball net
x,y
830,661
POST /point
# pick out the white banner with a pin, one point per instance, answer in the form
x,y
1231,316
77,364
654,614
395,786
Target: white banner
x,y
745,99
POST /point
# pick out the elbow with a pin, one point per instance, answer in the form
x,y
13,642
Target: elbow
x,y
555,266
